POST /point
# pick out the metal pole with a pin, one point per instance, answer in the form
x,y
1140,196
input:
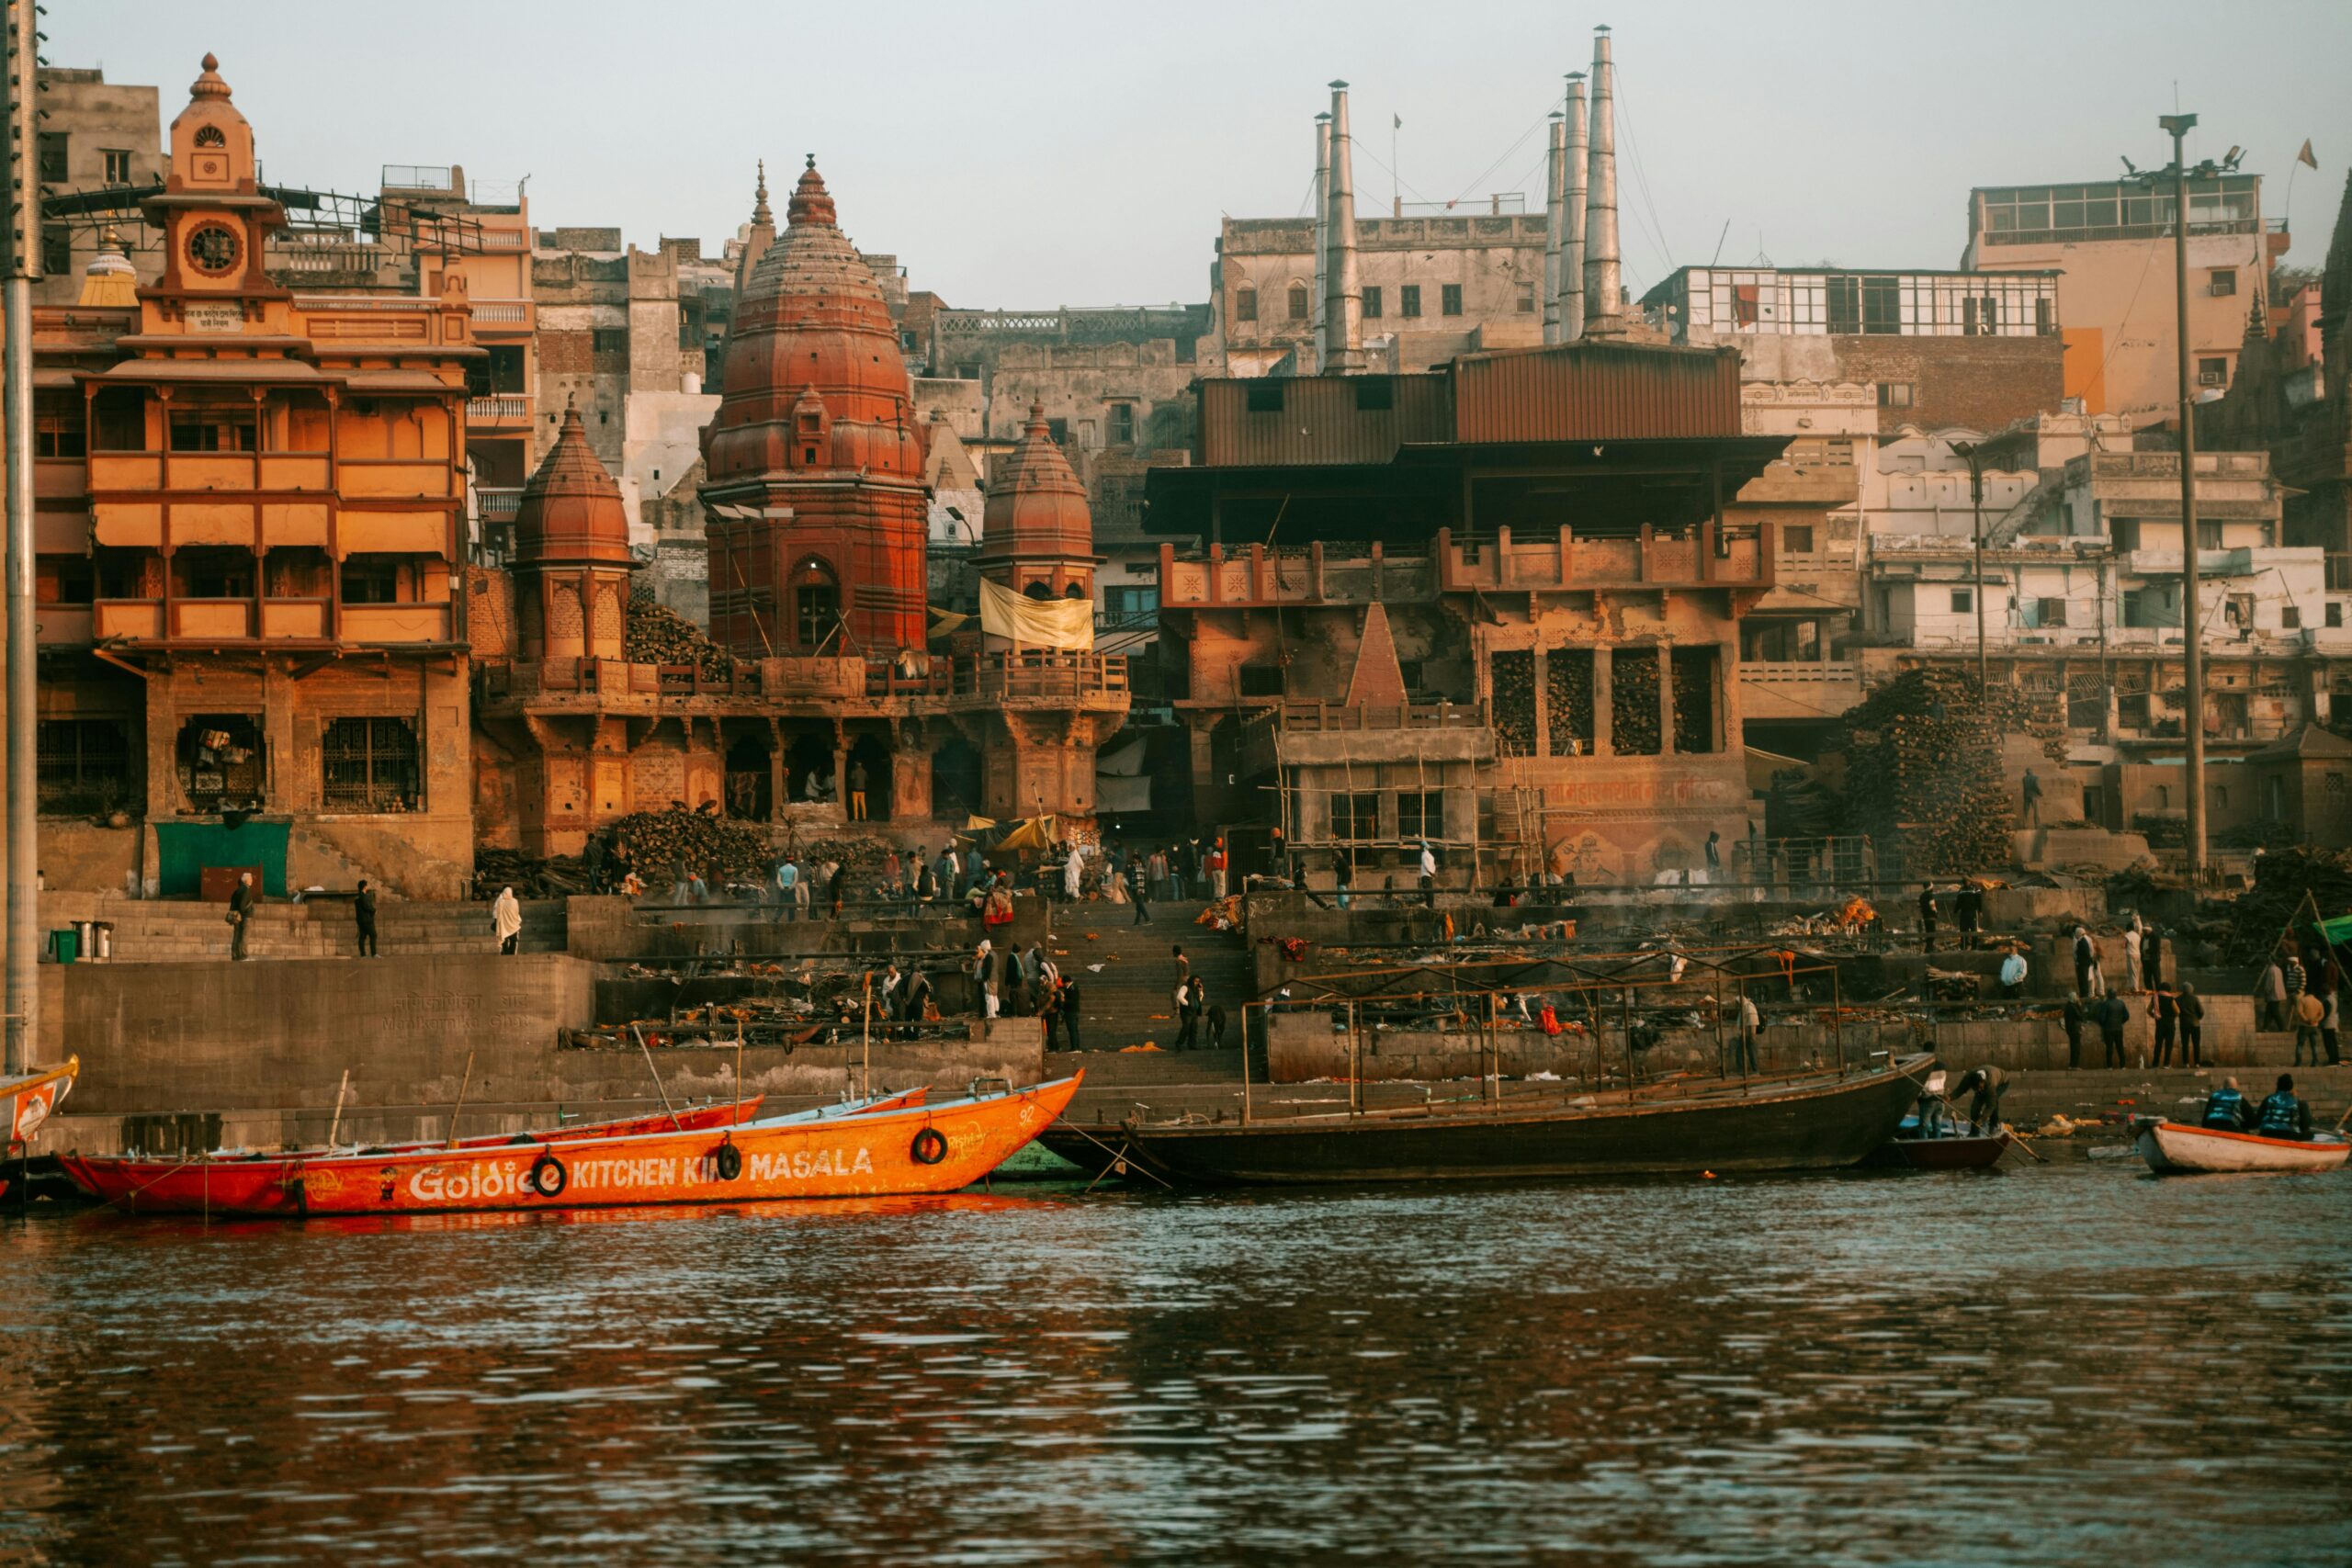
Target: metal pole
x,y
22,195
2191,620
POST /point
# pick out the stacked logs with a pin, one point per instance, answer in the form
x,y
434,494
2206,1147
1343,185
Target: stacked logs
x,y
1693,699
706,842
2282,877
658,634
1514,700
1633,701
1923,770
1568,699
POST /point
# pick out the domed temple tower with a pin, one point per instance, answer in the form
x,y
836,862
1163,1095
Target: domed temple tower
x,y
815,490
571,560
1036,534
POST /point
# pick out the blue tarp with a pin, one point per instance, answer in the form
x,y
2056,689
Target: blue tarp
x,y
184,849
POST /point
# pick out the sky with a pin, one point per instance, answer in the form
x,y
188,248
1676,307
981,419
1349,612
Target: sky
x,y
1028,155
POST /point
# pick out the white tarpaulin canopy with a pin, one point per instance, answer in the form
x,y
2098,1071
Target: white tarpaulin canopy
x,y
1036,622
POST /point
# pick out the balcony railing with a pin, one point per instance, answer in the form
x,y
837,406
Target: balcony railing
x,y
497,505
498,411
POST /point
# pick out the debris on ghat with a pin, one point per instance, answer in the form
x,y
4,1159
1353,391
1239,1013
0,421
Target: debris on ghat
x,y
1924,772
659,635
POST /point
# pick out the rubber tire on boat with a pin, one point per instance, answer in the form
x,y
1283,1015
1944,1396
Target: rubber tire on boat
x,y
728,1162
929,1146
547,1176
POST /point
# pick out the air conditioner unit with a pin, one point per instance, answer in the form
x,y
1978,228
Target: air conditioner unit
x,y
2211,377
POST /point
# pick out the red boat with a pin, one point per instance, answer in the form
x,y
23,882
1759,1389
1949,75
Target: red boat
x,y
268,1183
825,1154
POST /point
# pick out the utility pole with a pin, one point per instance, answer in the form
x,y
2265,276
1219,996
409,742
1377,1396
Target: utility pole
x,y
2191,617
21,194
1973,453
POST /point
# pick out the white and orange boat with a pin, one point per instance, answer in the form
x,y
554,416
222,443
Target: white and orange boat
x,y
917,1149
2173,1148
249,1183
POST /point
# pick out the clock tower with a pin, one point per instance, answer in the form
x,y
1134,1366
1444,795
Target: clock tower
x,y
215,220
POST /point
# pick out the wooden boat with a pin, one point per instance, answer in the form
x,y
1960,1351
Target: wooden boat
x,y
2174,1148
31,1098
248,1182
1959,1152
1811,1122
826,1154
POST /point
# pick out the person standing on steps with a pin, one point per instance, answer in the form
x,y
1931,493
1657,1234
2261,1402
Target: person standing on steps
x,y
363,910
1343,877
506,920
242,900
2031,788
1429,875
1068,1005
1143,908
857,792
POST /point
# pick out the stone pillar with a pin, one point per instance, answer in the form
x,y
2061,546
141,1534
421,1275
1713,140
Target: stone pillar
x,y
841,771
1603,680
1666,699
1730,731
910,774
1542,707
779,777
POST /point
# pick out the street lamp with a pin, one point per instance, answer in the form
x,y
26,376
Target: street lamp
x,y
2177,127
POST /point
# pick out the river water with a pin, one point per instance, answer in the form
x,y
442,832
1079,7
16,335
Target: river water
x,y
2063,1365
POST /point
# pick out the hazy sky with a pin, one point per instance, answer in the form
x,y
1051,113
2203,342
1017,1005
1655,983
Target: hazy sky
x,y
1029,155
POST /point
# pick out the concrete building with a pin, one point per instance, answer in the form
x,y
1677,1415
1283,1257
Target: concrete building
x,y
98,138
2111,245
249,552
1937,348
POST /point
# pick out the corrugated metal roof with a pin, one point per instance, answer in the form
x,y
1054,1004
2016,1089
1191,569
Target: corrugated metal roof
x,y
1320,420
1596,391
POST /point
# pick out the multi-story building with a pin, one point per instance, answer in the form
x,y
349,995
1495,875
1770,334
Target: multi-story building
x,y
2111,245
249,552
1494,606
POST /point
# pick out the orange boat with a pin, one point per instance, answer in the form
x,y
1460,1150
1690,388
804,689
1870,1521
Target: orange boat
x,y
269,1183
921,1149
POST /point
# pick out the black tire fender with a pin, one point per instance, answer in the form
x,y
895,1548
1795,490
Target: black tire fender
x,y
547,1176
929,1146
727,1163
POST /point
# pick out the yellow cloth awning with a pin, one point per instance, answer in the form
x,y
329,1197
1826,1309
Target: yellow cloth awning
x,y
1036,622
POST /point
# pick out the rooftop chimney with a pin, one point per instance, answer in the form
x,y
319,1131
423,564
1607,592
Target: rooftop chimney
x,y
1343,301
1555,207
1604,285
1322,229
1573,220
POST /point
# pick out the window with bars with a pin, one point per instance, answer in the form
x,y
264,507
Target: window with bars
x,y
369,764
1449,299
1421,814
82,765
1355,817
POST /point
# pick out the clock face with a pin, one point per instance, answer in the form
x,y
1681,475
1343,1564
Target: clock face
x,y
214,248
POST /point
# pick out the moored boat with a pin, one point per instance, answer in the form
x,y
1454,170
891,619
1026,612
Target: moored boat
x,y
31,1098
2174,1148
1958,1152
917,1149
1811,1122
266,1183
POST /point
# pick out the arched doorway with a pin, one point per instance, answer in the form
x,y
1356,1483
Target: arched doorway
x,y
814,601
955,779
871,752
810,757
750,792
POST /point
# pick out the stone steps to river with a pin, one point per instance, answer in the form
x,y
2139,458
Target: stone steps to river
x,y
1131,999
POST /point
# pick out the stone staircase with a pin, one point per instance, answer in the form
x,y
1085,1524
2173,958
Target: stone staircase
x,y
170,930
1131,999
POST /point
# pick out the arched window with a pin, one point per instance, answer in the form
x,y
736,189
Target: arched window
x,y
1245,304
1076,590
1037,589
816,604
1298,302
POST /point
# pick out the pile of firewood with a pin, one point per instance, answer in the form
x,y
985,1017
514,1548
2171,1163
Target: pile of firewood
x,y
1693,697
1633,701
1514,700
2282,877
706,842
1568,699
1923,770
659,635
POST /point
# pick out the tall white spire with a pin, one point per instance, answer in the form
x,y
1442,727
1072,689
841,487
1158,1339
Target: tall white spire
x,y
1604,285
1573,220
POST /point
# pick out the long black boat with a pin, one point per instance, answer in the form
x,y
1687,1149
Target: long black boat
x,y
1821,1122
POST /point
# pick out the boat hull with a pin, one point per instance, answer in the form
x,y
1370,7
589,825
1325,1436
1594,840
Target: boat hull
x,y
1938,1154
1796,1125
2173,1149
270,1184
868,1154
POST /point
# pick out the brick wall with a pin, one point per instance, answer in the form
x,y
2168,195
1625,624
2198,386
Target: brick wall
x,y
1980,382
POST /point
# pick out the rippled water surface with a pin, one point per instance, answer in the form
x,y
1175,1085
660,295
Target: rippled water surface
x,y
2077,1364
